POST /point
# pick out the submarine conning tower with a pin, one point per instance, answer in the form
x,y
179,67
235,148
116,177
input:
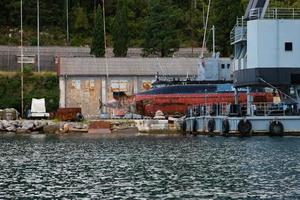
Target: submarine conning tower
x,y
267,47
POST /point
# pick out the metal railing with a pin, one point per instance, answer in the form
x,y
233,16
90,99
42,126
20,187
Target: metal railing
x,y
239,31
282,13
255,109
255,13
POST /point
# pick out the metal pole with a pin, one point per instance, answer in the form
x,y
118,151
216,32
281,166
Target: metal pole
x,y
38,34
104,28
236,97
67,13
249,102
94,8
105,55
22,67
205,29
192,27
214,41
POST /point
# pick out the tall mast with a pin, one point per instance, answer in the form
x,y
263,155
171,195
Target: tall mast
x,y
22,67
104,33
205,30
105,55
38,35
67,16
214,40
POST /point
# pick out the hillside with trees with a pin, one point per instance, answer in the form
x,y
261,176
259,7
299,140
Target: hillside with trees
x,y
158,26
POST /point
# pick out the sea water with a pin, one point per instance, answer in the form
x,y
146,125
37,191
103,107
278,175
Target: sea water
x,y
149,167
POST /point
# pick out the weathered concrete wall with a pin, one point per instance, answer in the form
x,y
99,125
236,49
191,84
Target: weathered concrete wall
x,y
83,92
88,92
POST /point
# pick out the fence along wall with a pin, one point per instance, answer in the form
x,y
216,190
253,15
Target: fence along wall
x,y
9,55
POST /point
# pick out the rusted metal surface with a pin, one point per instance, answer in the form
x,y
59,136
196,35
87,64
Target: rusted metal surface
x,y
67,114
177,104
100,125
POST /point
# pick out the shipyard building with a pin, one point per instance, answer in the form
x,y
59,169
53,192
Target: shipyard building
x,y
90,82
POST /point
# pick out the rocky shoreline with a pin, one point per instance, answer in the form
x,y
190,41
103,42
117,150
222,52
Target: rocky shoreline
x,y
60,127
41,126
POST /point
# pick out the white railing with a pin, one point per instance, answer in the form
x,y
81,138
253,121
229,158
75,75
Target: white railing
x,y
239,31
256,109
255,13
282,13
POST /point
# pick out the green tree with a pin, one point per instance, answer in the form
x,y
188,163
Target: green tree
x,y
81,21
223,16
137,12
120,30
98,46
161,31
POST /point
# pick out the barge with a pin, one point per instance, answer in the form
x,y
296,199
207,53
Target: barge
x,y
266,54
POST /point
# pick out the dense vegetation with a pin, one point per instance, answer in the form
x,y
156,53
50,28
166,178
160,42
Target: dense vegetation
x,y
180,22
35,86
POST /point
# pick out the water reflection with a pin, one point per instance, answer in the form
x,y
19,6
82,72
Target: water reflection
x,y
149,167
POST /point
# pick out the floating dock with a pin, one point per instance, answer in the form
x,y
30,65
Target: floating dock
x,y
243,126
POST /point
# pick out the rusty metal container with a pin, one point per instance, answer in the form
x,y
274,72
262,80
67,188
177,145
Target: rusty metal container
x,y
100,127
67,114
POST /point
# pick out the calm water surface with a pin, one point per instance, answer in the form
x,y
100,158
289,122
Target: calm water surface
x,y
149,167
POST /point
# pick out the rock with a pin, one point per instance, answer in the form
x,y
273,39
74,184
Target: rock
x,y
5,124
36,123
11,128
28,125
14,123
1,126
10,114
84,126
38,128
21,130
51,128
66,128
78,126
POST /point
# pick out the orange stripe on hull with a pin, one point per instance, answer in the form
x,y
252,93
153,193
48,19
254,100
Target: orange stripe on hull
x,y
172,104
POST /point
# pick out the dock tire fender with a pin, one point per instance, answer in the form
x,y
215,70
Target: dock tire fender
x,y
184,126
244,126
276,128
211,125
195,127
79,117
225,126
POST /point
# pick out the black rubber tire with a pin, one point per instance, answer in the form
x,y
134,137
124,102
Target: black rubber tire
x,y
211,125
244,127
195,126
79,117
225,126
276,128
184,126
